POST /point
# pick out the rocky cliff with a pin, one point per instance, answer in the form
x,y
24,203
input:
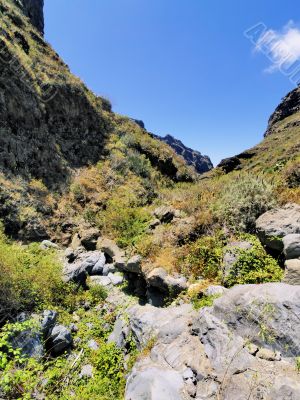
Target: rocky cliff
x,y
200,162
33,9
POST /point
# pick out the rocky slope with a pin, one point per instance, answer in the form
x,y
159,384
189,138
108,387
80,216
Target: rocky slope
x,y
156,285
33,9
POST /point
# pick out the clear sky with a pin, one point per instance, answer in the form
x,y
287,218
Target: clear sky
x,y
182,66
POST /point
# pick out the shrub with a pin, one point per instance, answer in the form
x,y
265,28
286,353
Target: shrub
x,y
253,266
204,257
291,175
242,201
29,278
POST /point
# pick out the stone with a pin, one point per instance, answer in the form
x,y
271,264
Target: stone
x,y
116,279
154,384
82,267
109,268
269,355
30,342
165,214
59,340
47,244
134,265
86,371
89,237
48,320
292,272
291,246
277,223
93,345
100,280
273,306
285,389
119,334
99,266
110,248
158,278
215,290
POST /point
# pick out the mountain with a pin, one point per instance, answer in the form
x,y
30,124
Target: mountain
x,y
123,273
192,157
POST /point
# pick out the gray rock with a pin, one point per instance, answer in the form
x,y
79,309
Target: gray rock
x,y
109,268
273,225
30,342
285,389
134,264
86,371
110,248
47,244
159,278
82,267
154,384
292,272
60,339
116,279
119,334
89,237
291,246
269,314
99,266
93,345
215,290
100,280
48,320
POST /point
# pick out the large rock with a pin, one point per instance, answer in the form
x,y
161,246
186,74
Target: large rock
x,y
292,272
229,351
273,225
160,279
90,263
59,340
291,246
269,314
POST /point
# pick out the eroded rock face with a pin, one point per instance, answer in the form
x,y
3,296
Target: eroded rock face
x,y
34,10
219,352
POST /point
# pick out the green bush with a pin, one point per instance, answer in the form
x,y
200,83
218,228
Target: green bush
x,y
253,266
242,201
204,257
30,278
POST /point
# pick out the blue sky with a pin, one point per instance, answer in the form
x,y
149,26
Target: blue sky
x,y
182,66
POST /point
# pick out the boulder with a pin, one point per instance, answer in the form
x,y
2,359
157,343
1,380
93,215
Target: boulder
x,y
99,266
268,313
292,272
48,320
116,279
291,246
285,389
47,244
215,290
59,340
30,342
89,238
275,224
100,280
82,267
159,278
134,265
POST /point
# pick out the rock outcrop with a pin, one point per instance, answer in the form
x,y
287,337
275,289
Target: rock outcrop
x,y
33,9
290,105
200,162
244,346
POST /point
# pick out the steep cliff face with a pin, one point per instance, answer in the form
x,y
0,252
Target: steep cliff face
x,y
200,162
33,9
290,105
